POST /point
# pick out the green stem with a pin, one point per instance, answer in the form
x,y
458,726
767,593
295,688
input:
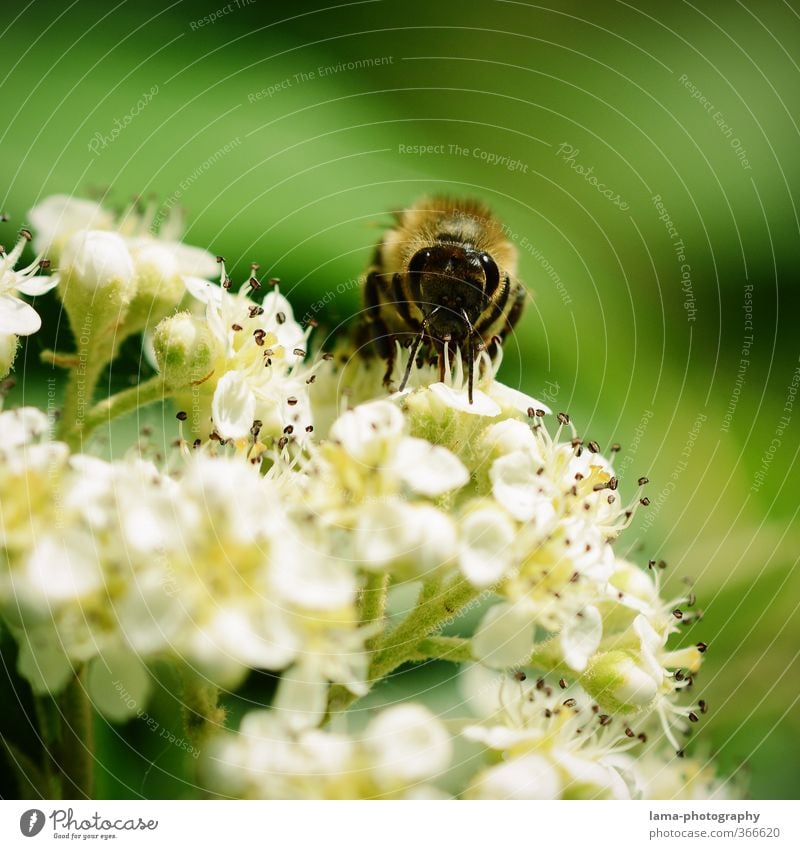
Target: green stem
x,y
81,384
435,607
372,601
148,392
76,747
454,649
202,714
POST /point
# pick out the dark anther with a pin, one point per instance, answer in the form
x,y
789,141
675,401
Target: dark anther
x,y
311,379
309,428
289,429
562,683
254,284
645,502
593,447
220,259
643,481
181,416
693,717
280,318
677,613
702,647
26,234
563,418
703,705
291,401
236,327
615,447
327,357
605,719
273,281
520,676
570,703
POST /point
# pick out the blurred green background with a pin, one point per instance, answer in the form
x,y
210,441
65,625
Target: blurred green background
x,y
287,132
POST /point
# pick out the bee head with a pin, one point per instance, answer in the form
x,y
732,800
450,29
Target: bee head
x,y
457,280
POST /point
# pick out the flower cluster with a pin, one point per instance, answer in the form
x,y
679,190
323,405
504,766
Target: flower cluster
x,y
399,755
303,499
118,564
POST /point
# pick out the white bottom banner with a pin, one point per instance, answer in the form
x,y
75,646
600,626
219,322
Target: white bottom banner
x,y
401,825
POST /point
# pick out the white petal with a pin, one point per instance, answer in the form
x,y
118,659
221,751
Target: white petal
x,y
507,398
487,536
590,779
429,469
40,285
233,407
516,486
504,638
58,216
366,431
22,426
301,699
118,684
18,317
98,259
192,260
581,637
406,744
42,661
204,291
510,435
528,777
310,579
482,404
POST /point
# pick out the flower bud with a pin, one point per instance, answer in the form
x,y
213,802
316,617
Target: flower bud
x,y
98,282
99,261
184,348
8,352
618,683
159,285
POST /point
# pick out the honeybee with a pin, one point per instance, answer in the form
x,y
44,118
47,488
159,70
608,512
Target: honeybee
x,y
445,273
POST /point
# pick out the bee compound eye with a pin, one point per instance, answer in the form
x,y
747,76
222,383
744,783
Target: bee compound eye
x,y
419,261
491,273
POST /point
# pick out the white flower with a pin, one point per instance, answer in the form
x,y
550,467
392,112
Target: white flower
x,y
413,538
255,376
98,259
402,749
554,745
404,745
487,537
16,316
